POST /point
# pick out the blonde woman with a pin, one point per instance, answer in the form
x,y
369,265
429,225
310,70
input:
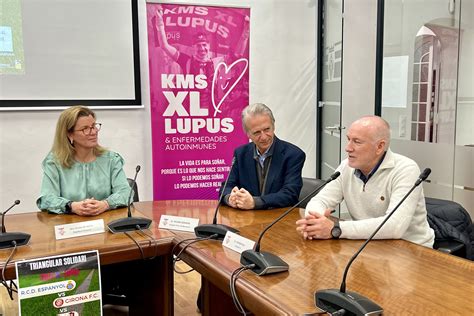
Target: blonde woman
x,y
80,176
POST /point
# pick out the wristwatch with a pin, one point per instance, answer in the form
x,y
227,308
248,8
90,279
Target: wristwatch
x,y
336,230
68,208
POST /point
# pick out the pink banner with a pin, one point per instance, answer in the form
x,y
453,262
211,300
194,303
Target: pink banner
x,y
199,79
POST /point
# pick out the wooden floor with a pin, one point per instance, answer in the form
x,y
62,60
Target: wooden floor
x,y
186,288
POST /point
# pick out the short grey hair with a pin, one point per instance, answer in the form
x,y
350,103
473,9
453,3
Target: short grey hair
x,y
379,127
256,109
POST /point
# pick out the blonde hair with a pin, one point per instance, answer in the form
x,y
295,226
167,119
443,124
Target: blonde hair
x,y
63,150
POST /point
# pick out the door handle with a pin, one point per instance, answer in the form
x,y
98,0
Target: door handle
x,y
333,128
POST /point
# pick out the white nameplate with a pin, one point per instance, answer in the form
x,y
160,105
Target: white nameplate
x,y
237,242
186,224
79,229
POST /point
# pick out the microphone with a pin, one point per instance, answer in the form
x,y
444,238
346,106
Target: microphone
x,y
207,230
265,262
422,177
335,300
8,240
132,189
130,223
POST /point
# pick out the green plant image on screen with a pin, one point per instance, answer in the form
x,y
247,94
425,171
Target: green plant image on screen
x,y
12,60
61,285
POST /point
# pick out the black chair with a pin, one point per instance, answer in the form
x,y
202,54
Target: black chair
x,y
135,189
309,184
454,231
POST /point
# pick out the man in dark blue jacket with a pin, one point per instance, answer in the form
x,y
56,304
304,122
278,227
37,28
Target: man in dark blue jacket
x,y
267,171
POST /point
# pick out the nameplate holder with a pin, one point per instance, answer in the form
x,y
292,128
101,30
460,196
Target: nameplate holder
x,y
186,224
79,229
237,242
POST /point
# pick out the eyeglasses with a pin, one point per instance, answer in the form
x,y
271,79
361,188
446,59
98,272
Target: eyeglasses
x,y
88,130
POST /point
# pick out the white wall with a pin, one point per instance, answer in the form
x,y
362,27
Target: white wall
x,y
282,75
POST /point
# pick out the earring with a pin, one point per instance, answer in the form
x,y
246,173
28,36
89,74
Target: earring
x,y
71,141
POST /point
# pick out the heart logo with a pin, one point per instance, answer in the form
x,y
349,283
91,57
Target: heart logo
x,y
222,83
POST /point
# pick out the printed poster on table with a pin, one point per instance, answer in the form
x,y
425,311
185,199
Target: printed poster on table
x,y
199,84
60,285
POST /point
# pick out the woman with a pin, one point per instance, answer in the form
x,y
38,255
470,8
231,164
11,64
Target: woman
x,y
80,176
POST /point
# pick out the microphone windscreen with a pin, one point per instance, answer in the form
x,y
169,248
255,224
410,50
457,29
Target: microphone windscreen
x,y
17,202
335,175
138,168
425,174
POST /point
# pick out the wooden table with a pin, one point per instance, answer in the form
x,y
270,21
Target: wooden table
x,y
402,277
154,278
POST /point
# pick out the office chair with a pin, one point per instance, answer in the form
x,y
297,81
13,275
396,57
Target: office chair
x,y
454,231
309,184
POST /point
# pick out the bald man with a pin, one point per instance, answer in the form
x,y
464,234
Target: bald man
x,y
373,181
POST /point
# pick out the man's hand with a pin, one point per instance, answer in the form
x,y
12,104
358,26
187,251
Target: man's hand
x,y
241,198
315,225
244,200
233,197
159,17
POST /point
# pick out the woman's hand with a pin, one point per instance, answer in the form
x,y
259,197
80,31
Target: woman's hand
x,y
89,207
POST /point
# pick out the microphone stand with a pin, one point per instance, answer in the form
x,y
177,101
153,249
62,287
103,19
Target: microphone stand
x,y
207,230
334,300
265,262
129,223
8,240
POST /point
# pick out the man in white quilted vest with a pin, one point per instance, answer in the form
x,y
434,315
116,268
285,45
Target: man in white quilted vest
x,y
373,181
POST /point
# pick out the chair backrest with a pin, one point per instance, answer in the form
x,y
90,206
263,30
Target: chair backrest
x,y
309,184
135,189
452,225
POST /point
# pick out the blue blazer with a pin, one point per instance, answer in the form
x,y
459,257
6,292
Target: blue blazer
x,y
284,180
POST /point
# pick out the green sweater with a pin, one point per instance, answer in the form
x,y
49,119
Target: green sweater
x,y
102,179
